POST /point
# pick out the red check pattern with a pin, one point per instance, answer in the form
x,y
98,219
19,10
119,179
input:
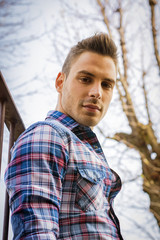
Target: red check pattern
x,y
60,184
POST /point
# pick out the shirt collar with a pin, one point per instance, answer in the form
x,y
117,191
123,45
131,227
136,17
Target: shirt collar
x,y
66,120
81,131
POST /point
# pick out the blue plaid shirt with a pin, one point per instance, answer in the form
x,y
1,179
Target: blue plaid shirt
x,y
60,184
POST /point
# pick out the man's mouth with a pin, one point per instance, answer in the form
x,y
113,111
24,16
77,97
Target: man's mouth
x,y
91,107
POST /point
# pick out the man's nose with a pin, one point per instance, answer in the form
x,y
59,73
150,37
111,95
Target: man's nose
x,y
95,91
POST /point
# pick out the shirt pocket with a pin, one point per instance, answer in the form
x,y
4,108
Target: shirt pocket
x,y
89,191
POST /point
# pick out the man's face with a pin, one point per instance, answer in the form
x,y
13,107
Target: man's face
x,y
86,93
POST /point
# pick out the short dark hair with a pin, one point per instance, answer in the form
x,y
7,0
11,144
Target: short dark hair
x,y
99,43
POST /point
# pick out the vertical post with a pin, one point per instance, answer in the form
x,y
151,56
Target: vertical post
x,y
2,118
6,209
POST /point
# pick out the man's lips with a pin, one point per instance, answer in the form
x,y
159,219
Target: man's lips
x,y
92,107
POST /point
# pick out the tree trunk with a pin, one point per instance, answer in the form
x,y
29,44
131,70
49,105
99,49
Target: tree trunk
x,y
142,137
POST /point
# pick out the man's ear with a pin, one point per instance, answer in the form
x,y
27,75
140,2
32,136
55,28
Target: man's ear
x,y
59,81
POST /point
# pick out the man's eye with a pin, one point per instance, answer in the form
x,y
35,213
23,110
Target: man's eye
x,y
106,85
85,79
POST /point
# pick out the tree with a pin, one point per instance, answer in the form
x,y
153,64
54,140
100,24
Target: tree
x,y
11,21
143,136
19,31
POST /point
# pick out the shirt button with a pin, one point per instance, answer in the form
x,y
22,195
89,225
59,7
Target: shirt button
x,y
96,147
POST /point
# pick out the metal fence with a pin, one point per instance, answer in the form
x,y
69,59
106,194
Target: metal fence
x,y
10,116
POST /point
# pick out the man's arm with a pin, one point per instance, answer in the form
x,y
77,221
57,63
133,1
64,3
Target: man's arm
x,y
34,182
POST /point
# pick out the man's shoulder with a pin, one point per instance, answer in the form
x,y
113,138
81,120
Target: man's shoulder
x,y
43,129
52,125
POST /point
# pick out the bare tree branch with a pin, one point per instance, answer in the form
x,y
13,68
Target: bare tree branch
x,y
152,4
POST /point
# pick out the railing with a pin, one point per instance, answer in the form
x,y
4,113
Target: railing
x,y
10,116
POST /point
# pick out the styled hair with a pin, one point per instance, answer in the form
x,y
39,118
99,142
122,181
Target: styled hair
x,y
99,43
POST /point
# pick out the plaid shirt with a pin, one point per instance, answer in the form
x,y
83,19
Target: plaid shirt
x,y
60,184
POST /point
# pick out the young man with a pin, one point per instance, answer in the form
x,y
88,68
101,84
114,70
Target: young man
x,y
59,182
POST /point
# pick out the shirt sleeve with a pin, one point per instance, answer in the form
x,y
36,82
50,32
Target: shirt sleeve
x,y
34,182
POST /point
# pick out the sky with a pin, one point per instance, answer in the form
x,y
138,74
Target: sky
x,y
30,68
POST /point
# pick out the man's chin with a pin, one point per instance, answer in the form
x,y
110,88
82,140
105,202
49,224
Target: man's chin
x,y
89,121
